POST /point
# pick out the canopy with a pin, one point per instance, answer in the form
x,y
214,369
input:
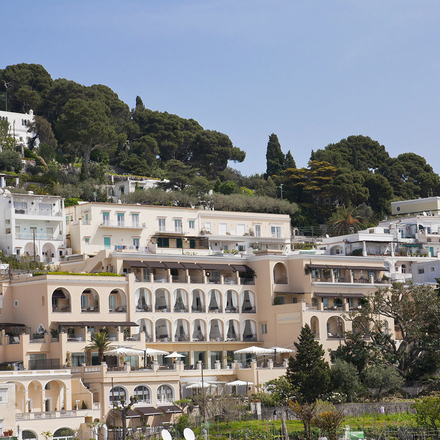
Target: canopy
x,y
153,352
237,383
124,351
254,350
203,384
276,349
174,354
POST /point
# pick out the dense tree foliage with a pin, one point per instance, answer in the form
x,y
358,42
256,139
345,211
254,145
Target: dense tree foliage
x,y
308,371
274,157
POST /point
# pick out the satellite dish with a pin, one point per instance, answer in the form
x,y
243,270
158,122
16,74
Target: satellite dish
x,y
188,433
166,435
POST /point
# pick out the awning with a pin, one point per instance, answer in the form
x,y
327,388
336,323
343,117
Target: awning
x,y
211,266
131,414
172,409
127,324
174,265
241,268
411,245
339,295
98,324
11,324
155,264
58,294
191,266
318,266
149,411
135,264
72,324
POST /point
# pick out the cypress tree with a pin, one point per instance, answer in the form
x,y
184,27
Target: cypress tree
x,y
289,162
274,157
308,371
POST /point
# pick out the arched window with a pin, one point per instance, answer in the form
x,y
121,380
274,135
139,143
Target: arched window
x,y
116,395
165,394
143,394
280,274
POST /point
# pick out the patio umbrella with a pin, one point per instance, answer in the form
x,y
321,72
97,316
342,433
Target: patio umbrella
x,y
254,350
276,350
174,355
124,351
200,385
153,352
237,383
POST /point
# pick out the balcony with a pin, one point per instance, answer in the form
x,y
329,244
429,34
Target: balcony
x,y
38,236
249,337
143,308
180,309
249,310
118,309
76,337
120,225
92,309
33,212
162,309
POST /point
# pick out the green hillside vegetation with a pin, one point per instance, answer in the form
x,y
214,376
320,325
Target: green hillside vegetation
x,y
87,132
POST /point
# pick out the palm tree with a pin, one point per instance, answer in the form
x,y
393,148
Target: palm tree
x,y
344,221
100,343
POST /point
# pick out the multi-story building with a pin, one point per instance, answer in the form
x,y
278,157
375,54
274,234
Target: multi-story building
x,y
121,185
32,225
18,125
92,227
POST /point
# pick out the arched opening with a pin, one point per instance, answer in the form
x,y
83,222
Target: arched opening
x,y
145,327
336,250
215,301
142,299
335,327
54,397
31,248
165,394
28,435
61,300
314,326
198,301
199,332
117,302
249,330
248,302
162,300
49,249
89,301
163,330
215,330
231,301
181,330
116,395
143,394
63,434
360,326
180,301
280,274
232,330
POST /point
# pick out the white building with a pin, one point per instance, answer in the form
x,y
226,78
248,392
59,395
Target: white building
x,y
128,184
18,125
32,225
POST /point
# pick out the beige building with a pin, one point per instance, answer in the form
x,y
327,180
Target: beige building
x,y
92,227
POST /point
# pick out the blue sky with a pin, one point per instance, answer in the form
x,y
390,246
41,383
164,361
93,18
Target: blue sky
x,y
313,72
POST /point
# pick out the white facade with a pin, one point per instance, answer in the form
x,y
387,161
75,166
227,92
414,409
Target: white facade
x,y
128,184
18,124
32,225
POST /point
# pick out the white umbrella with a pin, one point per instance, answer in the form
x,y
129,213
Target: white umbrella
x,y
276,349
124,351
237,383
174,354
254,350
200,385
153,352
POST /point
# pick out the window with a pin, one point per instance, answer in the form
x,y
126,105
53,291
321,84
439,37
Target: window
x,y
135,220
164,394
179,243
116,395
192,243
275,231
208,226
222,228
87,240
105,218
136,243
20,207
163,242
192,224
67,219
241,229
142,393
257,230
107,242
432,269
162,225
177,225
121,220
421,271
264,329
